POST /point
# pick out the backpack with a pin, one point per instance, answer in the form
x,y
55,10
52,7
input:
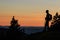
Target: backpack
x,y
50,17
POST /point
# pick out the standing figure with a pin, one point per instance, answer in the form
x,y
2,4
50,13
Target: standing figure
x,y
47,19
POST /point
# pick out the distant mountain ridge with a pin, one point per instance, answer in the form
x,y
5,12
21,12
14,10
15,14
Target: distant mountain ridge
x,y
28,29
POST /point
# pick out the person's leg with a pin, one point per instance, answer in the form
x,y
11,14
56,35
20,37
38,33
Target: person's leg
x,y
47,25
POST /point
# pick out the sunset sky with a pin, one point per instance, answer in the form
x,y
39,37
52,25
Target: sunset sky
x,y
28,12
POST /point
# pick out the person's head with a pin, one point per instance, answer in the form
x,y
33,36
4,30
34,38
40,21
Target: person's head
x,y
56,13
47,11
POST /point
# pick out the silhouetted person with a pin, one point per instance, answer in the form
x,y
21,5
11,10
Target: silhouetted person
x,y
47,19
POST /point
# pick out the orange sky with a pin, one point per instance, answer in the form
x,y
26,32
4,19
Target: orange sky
x,y
28,12
24,21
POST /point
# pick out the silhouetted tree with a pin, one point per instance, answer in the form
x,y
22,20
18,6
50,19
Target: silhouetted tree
x,y
55,25
14,24
47,19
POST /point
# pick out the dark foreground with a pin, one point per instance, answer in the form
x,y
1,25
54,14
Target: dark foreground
x,y
35,36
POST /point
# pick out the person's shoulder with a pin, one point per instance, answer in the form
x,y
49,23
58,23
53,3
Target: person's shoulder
x,y
50,14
